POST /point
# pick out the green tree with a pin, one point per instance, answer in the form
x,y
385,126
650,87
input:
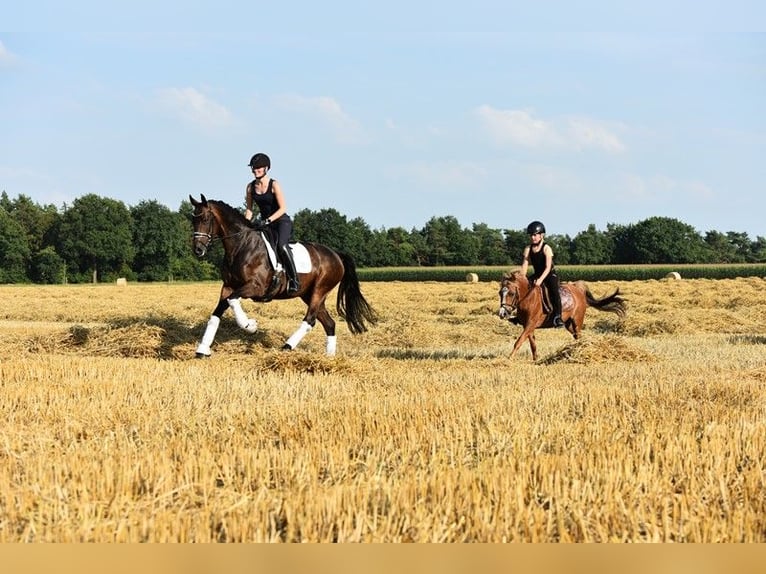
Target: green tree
x,y
743,247
156,239
621,237
665,240
591,247
358,242
561,245
515,242
404,247
449,244
758,250
721,249
36,221
48,267
492,249
326,226
14,250
95,237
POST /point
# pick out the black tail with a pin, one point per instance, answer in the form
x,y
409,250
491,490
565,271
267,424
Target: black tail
x,y
612,303
352,305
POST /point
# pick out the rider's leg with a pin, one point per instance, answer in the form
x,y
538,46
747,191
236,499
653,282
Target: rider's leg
x,y
285,232
552,283
293,284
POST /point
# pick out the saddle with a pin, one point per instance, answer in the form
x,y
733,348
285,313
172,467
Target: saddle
x,y
546,297
279,278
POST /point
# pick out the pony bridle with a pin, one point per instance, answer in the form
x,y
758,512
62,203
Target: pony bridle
x,y
507,310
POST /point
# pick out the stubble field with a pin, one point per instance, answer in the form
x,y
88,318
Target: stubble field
x,y
421,430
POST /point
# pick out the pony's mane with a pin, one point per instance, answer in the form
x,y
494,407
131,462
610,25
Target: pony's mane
x,y
512,275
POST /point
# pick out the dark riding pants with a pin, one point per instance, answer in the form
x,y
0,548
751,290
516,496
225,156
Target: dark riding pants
x,y
551,283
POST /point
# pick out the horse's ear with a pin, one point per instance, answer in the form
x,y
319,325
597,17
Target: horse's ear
x,y
193,201
204,199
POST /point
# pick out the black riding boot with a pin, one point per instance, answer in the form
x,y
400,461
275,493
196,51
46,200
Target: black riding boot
x,y
552,282
293,284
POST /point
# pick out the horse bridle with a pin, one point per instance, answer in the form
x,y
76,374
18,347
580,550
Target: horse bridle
x,y
209,235
509,308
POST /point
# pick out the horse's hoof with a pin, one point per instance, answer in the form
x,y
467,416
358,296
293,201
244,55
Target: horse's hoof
x,y
201,356
286,347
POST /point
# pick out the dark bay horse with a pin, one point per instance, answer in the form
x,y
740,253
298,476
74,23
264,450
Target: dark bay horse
x,y
251,271
522,303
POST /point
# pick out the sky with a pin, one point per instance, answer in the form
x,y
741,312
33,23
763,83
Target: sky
x,y
491,111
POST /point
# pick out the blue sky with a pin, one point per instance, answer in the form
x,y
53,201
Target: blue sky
x,y
496,112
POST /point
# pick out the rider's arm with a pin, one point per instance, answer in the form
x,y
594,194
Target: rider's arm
x,y
548,252
525,261
282,209
248,202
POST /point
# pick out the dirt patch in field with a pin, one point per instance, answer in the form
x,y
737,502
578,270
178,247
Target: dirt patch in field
x,y
598,350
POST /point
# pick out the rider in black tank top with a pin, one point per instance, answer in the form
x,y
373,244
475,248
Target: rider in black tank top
x,y
540,255
274,218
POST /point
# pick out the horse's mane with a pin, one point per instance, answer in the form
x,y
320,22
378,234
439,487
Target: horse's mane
x,y
223,206
514,275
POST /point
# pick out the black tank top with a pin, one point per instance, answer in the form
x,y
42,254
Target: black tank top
x,y
266,202
537,260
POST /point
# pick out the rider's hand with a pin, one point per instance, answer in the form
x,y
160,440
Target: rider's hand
x,y
258,224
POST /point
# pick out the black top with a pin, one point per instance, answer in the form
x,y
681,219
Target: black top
x,y
537,260
266,202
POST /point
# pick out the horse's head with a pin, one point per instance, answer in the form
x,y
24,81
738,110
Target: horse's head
x,y
205,226
512,289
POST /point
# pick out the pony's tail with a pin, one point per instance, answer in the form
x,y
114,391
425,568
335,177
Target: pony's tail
x,y
612,303
351,304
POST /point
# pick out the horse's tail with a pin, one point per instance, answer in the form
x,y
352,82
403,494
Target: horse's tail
x,y
612,303
351,304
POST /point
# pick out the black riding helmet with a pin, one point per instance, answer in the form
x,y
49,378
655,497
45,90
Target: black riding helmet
x,y
260,160
535,227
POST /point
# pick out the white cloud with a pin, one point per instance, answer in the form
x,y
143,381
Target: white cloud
x,y
522,128
440,176
588,133
6,57
328,112
659,187
517,127
194,107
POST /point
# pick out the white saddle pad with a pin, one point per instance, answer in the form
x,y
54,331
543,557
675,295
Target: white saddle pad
x,y
300,256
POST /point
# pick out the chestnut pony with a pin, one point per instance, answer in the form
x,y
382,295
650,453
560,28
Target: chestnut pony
x,y
522,303
251,271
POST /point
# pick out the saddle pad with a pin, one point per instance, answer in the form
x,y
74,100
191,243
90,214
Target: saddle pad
x,y
567,301
300,256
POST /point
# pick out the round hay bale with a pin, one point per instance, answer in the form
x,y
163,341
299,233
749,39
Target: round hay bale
x,y
472,278
122,281
675,275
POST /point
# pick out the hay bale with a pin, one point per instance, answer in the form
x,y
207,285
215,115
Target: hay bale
x,y
675,275
122,281
472,278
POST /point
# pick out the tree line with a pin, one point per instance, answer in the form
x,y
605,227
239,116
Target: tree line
x,y
98,239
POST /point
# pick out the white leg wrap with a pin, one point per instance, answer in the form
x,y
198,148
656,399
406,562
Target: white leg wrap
x,y
209,336
296,337
332,341
244,322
